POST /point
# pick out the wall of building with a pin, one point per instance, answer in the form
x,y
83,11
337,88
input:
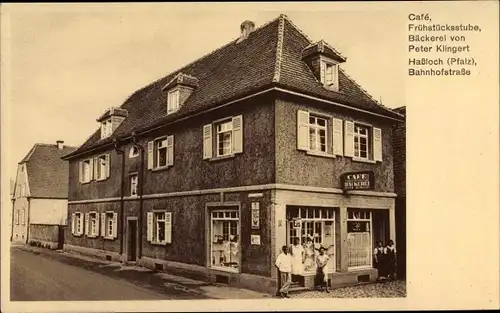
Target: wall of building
x,y
48,211
44,235
296,167
20,206
190,171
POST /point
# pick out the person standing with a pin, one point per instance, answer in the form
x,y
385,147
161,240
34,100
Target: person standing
x,y
379,259
390,256
284,265
322,269
297,257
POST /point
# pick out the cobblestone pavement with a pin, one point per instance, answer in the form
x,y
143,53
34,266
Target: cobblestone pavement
x,y
392,289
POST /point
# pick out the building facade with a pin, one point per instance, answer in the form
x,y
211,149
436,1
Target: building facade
x,y
40,196
210,170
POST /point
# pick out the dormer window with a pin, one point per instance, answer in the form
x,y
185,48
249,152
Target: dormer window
x,y
329,74
173,101
106,128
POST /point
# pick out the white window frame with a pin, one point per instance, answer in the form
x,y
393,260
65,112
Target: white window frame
x,y
16,216
157,152
109,224
357,140
333,82
156,227
102,169
173,101
23,216
134,186
86,170
362,215
226,216
317,218
317,129
78,224
106,128
93,227
219,133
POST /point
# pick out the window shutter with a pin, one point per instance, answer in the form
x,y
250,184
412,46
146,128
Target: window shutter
x,y
73,223
377,144
150,226
207,141
150,154
322,71
108,165
238,134
115,224
302,130
91,170
349,139
338,147
168,227
96,164
86,224
80,171
97,228
103,224
170,150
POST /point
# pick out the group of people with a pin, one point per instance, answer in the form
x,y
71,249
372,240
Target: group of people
x,y
293,261
384,260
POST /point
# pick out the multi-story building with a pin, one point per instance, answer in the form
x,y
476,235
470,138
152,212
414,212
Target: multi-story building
x,y
211,169
40,196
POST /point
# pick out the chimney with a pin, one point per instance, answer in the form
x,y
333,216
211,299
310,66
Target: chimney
x,y
60,144
246,28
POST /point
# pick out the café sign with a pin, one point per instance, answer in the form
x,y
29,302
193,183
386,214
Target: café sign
x,y
358,180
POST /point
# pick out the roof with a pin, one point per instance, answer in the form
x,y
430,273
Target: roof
x,y
400,110
270,56
47,172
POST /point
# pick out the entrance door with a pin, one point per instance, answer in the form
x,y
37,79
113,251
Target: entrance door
x,y
60,240
132,240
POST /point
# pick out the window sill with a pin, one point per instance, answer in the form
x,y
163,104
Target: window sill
x,y
77,235
108,238
224,157
86,182
363,160
320,154
157,243
157,169
101,179
92,236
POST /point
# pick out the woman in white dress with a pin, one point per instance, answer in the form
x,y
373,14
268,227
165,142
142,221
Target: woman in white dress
x,y
297,257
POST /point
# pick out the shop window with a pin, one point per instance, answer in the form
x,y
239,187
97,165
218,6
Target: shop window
x,y
359,238
314,228
225,243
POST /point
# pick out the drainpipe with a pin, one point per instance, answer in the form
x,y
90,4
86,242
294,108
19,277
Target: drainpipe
x,y
27,219
140,191
122,188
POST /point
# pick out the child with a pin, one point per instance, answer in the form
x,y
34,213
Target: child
x,y
322,269
284,265
379,259
390,256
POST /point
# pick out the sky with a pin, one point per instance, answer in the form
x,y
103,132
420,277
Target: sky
x,y
66,64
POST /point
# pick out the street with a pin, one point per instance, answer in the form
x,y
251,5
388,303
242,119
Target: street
x,y
39,274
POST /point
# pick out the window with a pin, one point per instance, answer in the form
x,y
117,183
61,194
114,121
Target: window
x,y
314,228
359,238
173,101
109,224
361,141
102,167
134,152
161,152
317,134
77,223
160,227
22,217
224,138
16,217
225,243
106,128
86,171
133,184
93,224
329,74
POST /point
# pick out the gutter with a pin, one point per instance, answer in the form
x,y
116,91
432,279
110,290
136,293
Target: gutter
x,y
274,88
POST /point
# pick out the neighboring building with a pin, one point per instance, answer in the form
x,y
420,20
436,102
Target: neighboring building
x,y
40,196
399,143
238,153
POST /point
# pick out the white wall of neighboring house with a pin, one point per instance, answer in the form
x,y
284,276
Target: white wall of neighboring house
x,y
48,211
21,206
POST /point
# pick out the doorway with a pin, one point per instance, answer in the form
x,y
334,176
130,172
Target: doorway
x,y
60,239
132,239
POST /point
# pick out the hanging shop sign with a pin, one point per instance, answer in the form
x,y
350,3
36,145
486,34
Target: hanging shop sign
x,y
358,180
255,215
297,223
358,226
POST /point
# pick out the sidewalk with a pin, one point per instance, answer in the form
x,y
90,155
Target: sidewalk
x,y
181,287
